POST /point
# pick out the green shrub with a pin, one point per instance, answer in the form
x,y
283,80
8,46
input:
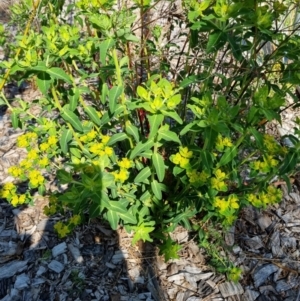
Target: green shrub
x,y
190,145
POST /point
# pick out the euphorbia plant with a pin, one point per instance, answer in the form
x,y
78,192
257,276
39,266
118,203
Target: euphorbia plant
x,y
152,155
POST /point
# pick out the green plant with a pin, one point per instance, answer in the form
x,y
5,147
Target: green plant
x,y
151,155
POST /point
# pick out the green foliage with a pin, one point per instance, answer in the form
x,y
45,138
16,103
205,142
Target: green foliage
x,y
150,155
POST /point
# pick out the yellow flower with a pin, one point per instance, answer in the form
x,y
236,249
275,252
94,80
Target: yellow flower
x,y
97,148
26,163
44,146
125,163
22,199
32,135
52,140
219,143
32,154
22,141
221,204
43,162
15,171
227,142
91,135
218,184
156,104
121,176
233,201
220,175
203,176
35,178
254,200
15,200
108,150
184,162
184,152
176,158
84,138
61,229
75,220
255,165
193,175
5,194
105,139
9,186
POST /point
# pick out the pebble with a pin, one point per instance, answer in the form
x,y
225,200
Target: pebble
x,y
56,266
59,249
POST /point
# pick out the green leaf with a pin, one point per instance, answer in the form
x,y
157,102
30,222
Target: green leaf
x,y
142,232
104,93
156,189
72,118
73,99
144,174
113,219
113,95
168,136
216,40
41,66
14,120
228,156
258,137
173,115
104,46
66,136
140,147
64,177
133,131
128,217
117,206
58,73
207,159
169,249
93,114
155,121
142,92
289,162
43,82
159,166
235,48
188,127
116,138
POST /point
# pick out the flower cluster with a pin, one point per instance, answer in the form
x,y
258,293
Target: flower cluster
x,y
271,196
123,174
223,142
27,139
182,158
100,148
9,192
217,182
197,178
160,95
49,145
265,165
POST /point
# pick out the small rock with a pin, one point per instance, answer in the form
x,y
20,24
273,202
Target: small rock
x,y
251,295
110,265
41,270
22,281
59,249
11,268
262,274
56,266
75,253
